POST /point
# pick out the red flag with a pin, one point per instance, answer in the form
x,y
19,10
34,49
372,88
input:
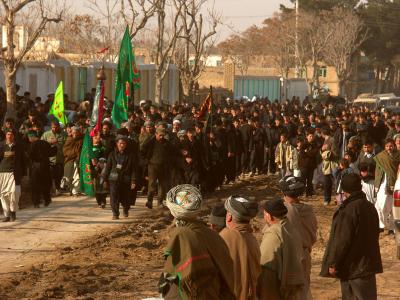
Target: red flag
x,y
206,106
103,50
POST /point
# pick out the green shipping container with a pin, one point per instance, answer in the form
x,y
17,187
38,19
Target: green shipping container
x,y
260,86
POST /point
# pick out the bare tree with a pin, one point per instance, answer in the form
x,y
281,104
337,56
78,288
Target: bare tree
x,y
348,35
194,42
315,31
280,46
233,49
167,37
111,25
137,13
12,59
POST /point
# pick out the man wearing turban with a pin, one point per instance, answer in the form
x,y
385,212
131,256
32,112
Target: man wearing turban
x,y
197,261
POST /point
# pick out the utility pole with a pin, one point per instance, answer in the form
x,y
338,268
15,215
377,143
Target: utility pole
x,y
296,50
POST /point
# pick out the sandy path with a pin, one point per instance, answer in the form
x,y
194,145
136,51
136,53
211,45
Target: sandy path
x,y
40,231
73,250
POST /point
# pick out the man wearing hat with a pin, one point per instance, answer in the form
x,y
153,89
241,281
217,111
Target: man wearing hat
x,y
197,262
217,218
282,275
243,246
120,175
39,153
352,253
302,217
158,153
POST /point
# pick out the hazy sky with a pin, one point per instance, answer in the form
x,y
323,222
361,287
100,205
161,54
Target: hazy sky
x,y
240,14
237,15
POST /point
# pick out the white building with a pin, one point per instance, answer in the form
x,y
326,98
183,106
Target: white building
x,y
209,61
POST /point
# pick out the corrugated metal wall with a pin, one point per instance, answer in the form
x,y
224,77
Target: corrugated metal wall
x,y
251,86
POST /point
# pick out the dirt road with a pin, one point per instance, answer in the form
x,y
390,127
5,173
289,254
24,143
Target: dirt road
x,y
72,250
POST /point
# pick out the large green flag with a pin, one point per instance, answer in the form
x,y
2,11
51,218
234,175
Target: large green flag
x,y
128,79
57,108
85,171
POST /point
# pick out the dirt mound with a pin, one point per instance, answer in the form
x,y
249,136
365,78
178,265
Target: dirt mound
x,y
126,263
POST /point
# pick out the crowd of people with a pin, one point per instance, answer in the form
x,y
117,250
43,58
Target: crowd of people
x,y
161,147
353,153
225,261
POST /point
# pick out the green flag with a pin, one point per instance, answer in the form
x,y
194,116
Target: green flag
x,y
85,171
57,108
128,79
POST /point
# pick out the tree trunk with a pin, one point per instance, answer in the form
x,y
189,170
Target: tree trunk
x,y
341,88
10,80
158,89
186,86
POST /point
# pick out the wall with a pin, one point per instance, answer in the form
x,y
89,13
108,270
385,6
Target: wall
x,y
42,79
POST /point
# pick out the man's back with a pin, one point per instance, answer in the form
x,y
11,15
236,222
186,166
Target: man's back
x,y
199,257
353,247
245,253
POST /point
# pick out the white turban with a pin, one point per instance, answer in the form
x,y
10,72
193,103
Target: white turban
x,y
184,201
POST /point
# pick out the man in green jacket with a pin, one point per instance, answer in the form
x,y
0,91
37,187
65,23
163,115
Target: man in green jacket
x,y
56,137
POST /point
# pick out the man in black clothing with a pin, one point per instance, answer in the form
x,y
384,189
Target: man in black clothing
x,y
230,166
11,172
245,131
192,158
352,253
40,175
308,154
108,139
239,146
157,151
341,139
120,175
256,148
273,137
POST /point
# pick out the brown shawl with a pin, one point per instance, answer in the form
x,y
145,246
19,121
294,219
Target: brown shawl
x,y
72,148
282,271
199,259
386,165
245,253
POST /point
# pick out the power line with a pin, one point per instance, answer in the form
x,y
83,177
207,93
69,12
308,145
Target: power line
x,y
242,17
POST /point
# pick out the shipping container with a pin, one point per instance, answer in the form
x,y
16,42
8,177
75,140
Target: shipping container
x,y
296,88
259,86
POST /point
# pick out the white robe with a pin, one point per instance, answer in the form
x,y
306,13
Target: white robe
x,y
384,206
369,190
9,193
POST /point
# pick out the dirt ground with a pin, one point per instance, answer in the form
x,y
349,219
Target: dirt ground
x,y
124,262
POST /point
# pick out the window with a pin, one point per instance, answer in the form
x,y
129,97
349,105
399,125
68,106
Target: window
x,y
82,88
322,72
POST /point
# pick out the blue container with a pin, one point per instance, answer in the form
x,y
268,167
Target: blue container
x,y
260,86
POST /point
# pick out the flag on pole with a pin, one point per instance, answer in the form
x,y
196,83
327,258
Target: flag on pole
x,y
85,171
207,108
98,109
57,108
128,79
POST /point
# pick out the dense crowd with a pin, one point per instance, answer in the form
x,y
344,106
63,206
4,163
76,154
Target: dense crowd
x,y
343,149
161,147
